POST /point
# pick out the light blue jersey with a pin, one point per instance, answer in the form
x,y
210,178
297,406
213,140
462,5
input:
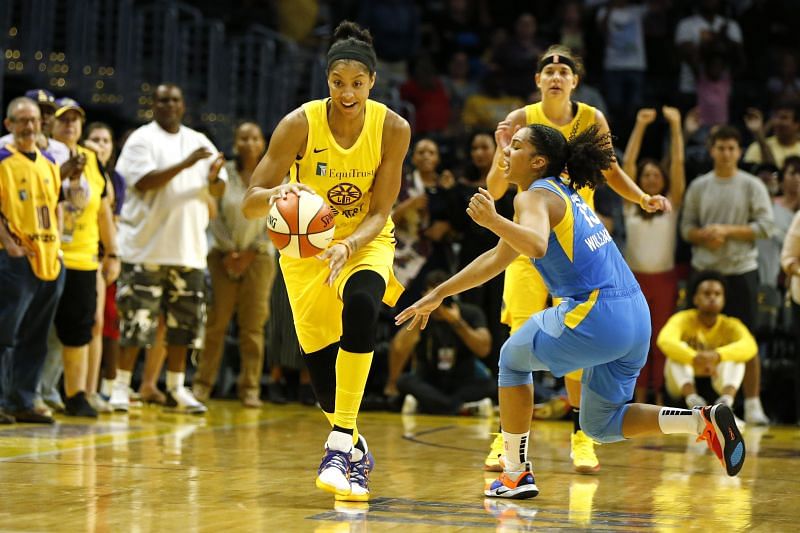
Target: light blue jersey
x,y
581,255
600,321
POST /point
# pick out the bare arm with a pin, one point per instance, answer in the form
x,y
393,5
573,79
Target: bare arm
x,y
288,141
496,181
482,269
108,236
677,169
529,236
400,350
644,118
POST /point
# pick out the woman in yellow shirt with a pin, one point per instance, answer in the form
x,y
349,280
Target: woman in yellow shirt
x,y
349,150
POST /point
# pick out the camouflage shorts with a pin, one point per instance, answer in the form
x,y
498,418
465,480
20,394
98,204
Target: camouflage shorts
x,y
145,292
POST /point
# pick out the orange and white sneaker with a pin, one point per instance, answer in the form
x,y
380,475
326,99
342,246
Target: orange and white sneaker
x,y
515,485
584,460
723,437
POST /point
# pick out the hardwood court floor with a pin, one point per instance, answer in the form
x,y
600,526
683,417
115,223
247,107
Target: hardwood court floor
x,y
243,470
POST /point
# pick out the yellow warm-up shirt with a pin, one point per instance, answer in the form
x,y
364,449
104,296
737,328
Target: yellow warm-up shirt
x,y
81,231
684,335
29,192
343,177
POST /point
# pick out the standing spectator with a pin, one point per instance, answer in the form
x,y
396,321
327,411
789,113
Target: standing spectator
x,y
570,31
31,275
625,62
651,238
47,108
447,370
242,268
785,142
518,57
459,86
785,85
104,347
704,342
83,228
785,202
724,212
790,262
695,35
169,169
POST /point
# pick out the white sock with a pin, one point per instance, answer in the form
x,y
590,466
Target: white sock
x,y
124,377
340,441
174,380
105,386
753,404
727,399
516,447
672,420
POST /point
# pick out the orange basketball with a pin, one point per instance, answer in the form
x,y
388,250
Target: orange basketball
x,y
300,225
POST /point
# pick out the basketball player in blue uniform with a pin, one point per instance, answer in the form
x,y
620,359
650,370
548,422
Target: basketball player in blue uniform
x,y
602,323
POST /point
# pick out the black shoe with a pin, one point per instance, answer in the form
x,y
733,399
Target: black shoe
x,y
5,418
32,417
306,395
78,405
275,393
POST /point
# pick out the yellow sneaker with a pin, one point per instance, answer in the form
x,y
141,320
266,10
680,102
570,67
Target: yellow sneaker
x,y
583,457
492,462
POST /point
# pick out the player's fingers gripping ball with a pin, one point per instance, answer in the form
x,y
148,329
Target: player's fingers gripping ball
x,y
300,225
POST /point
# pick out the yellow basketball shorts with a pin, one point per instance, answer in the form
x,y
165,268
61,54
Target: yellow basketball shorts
x,y
525,294
317,307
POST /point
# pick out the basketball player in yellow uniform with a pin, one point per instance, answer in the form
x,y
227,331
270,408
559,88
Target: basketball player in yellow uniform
x,y
31,273
524,292
349,150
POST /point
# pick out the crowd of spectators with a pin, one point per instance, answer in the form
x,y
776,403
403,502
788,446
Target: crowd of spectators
x,y
708,107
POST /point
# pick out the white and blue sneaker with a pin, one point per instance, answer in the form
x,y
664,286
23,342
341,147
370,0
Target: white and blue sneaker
x,y
334,472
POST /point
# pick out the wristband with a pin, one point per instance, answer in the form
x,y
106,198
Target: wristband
x,y
347,245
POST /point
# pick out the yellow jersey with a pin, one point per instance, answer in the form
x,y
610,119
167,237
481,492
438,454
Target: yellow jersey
x,y
80,233
343,177
684,335
585,116
29,193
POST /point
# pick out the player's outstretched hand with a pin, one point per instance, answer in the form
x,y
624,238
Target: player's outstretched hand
x,y
280,192
651,204
419,312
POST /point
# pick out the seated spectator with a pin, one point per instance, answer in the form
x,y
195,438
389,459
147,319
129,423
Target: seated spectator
x,y
786,84
651,237
483,110
785,142
704,342
447,373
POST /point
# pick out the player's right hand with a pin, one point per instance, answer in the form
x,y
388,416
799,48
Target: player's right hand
x,y
420,311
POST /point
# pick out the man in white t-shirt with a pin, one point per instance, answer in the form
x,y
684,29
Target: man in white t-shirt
x,y
169,170
701,30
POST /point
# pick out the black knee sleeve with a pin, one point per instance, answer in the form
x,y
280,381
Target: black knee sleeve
x,y
322,371
361,297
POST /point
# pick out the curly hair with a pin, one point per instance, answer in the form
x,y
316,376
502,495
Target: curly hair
x,y
585,156
700,277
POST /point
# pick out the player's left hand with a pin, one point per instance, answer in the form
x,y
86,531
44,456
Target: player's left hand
x,y
420,311
651,204
481,208
336,256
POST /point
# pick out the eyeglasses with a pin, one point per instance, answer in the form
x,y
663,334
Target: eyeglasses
x,y
28,120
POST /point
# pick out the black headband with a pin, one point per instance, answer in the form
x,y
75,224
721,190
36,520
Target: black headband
x,y
556,58
352,49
